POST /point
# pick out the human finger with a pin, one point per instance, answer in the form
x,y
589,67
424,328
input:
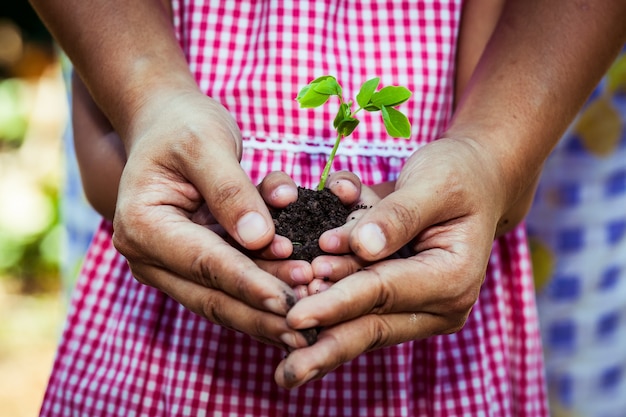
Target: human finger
x,y
318,285
224,310
440,183
345,185
208,260
337,240
365,333
292,272
208,157
278,189
433,282
336,267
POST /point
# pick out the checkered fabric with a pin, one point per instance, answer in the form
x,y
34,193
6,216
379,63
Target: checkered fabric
x,y
129,350
577,227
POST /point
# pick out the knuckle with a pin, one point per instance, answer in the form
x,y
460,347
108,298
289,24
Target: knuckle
x,y
137,275
259,329
455,323
129,231
341,354
201,272
403,220
379,334
460,305
213,311
225,192
386,296
458,310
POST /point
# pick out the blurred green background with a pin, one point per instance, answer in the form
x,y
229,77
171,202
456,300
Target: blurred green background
x,y
33,119
32,114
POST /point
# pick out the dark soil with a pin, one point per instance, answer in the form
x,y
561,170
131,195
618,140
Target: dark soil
x,y
304,220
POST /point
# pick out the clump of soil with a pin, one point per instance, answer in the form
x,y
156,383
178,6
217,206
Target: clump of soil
x,y
304,220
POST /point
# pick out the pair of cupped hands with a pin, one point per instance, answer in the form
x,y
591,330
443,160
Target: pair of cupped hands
x,y
191,223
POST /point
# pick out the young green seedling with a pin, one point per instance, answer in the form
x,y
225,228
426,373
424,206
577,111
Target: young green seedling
x,y
318,91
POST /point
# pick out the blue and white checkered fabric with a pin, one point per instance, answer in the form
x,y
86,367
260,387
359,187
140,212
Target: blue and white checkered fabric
x,y
578,238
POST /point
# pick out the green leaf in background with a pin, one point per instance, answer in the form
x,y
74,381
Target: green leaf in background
x,y
390,96
371,108
327,85
342,113
347,126
365,93
309,98
396,123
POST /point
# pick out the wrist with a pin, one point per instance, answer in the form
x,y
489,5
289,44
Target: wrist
x,y
507,175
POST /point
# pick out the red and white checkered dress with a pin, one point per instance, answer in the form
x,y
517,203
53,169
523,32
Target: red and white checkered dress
x,y
129,350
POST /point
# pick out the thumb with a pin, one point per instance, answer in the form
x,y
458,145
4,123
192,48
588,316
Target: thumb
x,y
234,201
397,219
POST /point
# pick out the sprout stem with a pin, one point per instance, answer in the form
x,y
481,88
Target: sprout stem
x,y
329,163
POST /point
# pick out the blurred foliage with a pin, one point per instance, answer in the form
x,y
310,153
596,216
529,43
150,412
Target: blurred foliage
x,y
31,256
30,224
13,117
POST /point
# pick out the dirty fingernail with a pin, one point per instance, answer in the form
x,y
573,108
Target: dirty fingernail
x,y
372,238
343,186
301,291
251,227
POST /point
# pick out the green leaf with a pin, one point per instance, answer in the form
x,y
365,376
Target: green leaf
x,y
309,98
347,126
365,93
342,113
396,123
371,107
322,78
327,85
391,96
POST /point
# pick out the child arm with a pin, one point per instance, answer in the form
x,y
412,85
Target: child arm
x,y
99,151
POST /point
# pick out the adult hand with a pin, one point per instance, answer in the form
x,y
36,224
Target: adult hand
x,y
183,162
444,207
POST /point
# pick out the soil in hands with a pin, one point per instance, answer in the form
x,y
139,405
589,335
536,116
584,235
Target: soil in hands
x,y
304,220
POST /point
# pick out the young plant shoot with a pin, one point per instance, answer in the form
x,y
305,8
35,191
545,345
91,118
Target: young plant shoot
x,y
318,91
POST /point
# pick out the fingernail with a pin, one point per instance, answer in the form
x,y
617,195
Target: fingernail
x,y
301,291
299,276
372,238
275,305
341,186
251,227
318,286
323,286
288,339
332,243
281,248
323,269
308,323
312,374
285,192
